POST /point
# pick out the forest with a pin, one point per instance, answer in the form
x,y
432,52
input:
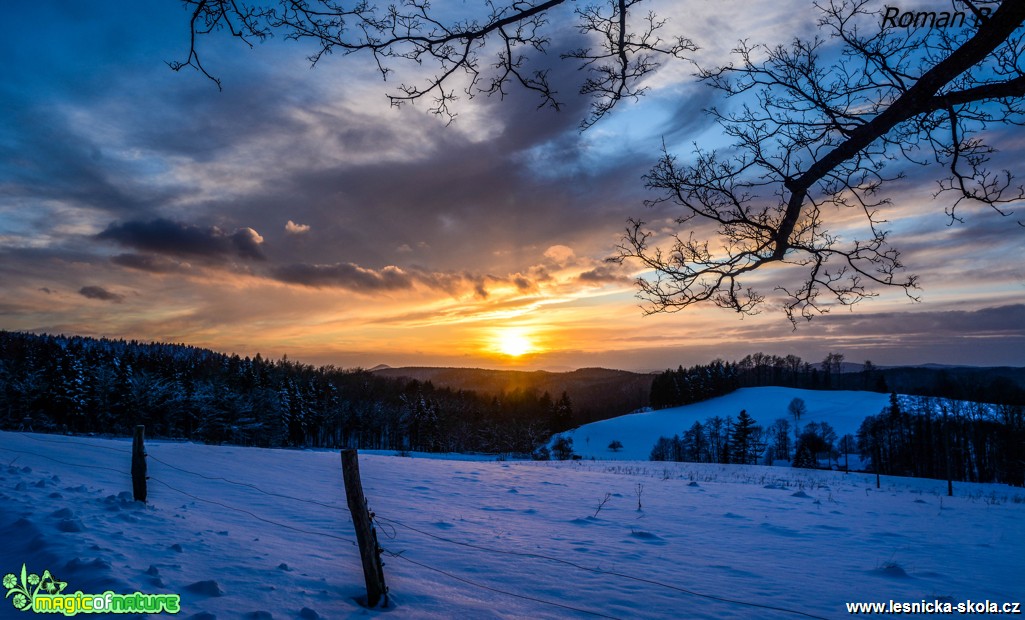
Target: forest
x,y
945,438
683,386
85,385
71,384
916,436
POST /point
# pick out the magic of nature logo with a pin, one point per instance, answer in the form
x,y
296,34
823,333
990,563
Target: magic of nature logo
x,y
44,594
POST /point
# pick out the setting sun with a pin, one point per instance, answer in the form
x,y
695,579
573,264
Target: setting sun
x,y
514,343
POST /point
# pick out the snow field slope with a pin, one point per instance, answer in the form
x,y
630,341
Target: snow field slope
x,y
709,541
638,432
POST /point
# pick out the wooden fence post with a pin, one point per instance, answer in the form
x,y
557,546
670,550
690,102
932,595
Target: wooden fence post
x,y
366,537
946,454
139,464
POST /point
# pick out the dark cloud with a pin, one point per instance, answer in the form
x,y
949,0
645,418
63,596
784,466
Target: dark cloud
x,y
347,276
479,204
50,156
455,195
100,293
353,277
56,268
605,274
246,242
149,262
367,180
205,126
895,328
173,238
689,116
983,336
991,336
1008,320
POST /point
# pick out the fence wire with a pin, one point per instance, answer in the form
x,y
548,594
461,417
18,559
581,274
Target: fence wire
x,y
392,523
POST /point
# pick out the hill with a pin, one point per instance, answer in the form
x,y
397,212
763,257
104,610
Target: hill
x,y
984,384
638,432
596,393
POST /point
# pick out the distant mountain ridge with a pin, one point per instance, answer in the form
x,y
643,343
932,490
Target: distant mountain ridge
x,y
983,384
601,393
596,393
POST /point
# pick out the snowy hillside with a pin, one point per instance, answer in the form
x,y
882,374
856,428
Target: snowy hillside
x,y
253,533
638,432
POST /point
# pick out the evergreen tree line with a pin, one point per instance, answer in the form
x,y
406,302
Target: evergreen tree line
x,y
84,385
683,386
947,439
743,441
760,369
918,436
718,440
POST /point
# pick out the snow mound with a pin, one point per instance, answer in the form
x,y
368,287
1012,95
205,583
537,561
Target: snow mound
x,y
638,432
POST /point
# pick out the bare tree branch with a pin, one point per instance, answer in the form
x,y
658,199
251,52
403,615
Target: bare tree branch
x,y
475,56
817,127
811,135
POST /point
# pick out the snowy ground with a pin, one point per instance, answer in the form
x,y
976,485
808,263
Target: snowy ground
x,y
708,542
638,432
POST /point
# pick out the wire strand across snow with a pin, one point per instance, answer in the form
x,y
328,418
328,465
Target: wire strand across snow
x,y
762,542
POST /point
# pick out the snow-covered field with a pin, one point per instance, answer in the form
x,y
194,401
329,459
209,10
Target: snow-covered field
x,y
638,432
497,539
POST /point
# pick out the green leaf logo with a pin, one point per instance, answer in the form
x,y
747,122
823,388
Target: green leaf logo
x,y
21,589
24,589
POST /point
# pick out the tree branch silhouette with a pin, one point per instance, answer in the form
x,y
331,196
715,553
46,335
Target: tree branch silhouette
x,y
821,126
486,54
813,137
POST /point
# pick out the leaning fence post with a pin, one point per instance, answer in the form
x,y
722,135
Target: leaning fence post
x,y
366,537
139,464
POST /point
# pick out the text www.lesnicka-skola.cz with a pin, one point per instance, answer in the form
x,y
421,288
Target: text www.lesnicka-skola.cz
x,y
934,607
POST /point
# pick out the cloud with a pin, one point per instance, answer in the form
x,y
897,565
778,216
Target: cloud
x,y
523,283
58,165
346,275
296,229
356,278
247,243
560,254
991,335
151,263
100,293
374,183
445,207
990,322
180,239
687,113
605,274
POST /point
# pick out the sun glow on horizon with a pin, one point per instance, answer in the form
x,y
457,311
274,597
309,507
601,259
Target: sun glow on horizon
x,y
513,342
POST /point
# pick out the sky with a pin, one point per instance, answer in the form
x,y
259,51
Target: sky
x,y
296,213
